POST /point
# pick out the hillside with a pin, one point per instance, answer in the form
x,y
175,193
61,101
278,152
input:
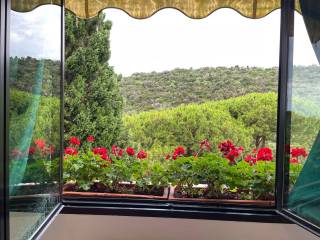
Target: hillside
x,y
161,90
23,72
146,91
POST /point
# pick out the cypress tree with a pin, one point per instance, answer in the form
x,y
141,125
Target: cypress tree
x,y
93,103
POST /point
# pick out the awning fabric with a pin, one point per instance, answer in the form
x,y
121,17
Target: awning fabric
x,y
146,8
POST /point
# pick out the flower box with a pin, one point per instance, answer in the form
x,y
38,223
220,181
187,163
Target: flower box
x,y
101,192
176,196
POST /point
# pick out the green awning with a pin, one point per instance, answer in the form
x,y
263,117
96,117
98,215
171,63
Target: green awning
x,y
146,8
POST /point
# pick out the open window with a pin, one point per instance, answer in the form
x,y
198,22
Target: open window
x,y
301,195
173,108
33,97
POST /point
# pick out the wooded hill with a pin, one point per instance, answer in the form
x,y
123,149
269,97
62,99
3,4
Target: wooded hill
x,y
146,91
161,90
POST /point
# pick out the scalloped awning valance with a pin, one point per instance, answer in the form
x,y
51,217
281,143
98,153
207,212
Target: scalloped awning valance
x,y
146,8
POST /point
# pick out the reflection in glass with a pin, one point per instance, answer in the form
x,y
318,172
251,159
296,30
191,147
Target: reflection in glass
x,y
34,113
304,108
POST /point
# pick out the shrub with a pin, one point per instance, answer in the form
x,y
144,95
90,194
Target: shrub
x,y
185,125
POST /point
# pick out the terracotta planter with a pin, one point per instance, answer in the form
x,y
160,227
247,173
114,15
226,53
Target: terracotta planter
x,y
68,193
219,201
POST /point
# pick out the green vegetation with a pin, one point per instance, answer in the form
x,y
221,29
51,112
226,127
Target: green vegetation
x,y
47,118
93,103
147,91
23,72
250,121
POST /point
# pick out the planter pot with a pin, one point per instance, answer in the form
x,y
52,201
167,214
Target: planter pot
x,y
173,196
92,194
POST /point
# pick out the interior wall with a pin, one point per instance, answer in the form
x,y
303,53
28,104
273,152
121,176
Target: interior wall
x,y
102,227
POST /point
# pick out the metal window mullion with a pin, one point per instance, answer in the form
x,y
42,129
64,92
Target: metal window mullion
x,y
4,123
285,69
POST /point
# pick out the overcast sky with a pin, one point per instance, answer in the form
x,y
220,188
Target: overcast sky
x,y
168,39
36,33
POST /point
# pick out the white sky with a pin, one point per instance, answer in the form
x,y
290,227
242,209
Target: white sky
x,y
36,33
168,39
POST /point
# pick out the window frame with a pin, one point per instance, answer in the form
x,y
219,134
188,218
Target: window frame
x,y
4,125
4,194
286,24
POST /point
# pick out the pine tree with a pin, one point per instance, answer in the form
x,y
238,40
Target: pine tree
x,y
93,103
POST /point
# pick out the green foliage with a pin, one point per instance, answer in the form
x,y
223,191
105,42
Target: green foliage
x,y
120,171
93,103
84,168
257,112
47,121
41,171
185,125
250,121
150,91
23,71
185,172
249,182
149,176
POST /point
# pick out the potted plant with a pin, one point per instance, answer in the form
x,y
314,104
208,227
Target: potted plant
x,y
96,172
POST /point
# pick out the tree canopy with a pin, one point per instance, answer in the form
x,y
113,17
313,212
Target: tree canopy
x,y
93,103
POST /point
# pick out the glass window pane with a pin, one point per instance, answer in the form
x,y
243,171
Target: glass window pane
x,y
34,117
304,125
196,97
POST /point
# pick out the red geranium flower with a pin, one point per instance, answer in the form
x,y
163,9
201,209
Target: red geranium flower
x,y
250,159
226,147
130,151
51,149
230,151
264,154
174,156
117,151
100,150
114,149
74,141
168,156
205,145
120,152
90,138
40,143
294,161
233,154
105,156
142,155
297,152
32,150
179,151
71,151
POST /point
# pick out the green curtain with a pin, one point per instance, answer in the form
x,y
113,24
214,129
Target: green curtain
x,y
18,166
